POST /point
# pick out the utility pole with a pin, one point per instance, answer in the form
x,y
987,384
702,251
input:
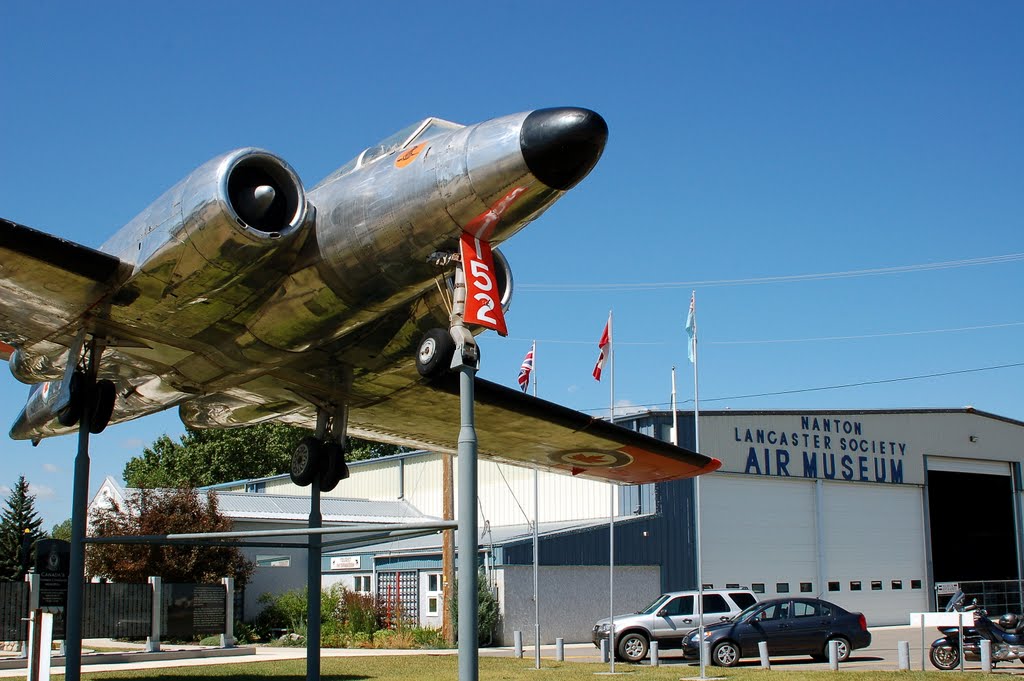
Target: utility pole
x,y
448,549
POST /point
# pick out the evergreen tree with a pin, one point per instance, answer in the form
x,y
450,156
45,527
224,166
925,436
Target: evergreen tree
x,y
19,526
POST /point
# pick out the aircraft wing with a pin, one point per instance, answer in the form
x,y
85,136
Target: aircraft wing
x,y
48,284
526,430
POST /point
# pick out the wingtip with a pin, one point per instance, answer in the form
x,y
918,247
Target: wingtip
x,y
5,351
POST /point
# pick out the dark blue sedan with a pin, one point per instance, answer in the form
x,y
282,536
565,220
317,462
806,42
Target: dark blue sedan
x,y
790,626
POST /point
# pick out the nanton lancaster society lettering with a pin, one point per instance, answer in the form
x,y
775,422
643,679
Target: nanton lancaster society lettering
x,y
833,449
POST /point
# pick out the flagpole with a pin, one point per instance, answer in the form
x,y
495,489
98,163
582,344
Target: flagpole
x,y
675,413
536,536
611,513
696,491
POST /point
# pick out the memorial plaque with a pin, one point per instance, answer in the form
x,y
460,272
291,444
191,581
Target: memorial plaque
x,y
194,610
53,558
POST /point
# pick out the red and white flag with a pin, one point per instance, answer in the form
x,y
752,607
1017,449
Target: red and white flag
x,y
526,369
605,345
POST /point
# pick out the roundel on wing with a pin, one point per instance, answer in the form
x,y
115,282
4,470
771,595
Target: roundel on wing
x,y
592,458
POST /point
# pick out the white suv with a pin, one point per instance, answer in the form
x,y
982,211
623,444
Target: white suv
x,y
668,619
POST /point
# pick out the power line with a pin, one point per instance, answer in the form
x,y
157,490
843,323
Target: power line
x,y
820,276
838,386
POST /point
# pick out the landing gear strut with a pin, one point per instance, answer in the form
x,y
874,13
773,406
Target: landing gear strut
x,y
322,455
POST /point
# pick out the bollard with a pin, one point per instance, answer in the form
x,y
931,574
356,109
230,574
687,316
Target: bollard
x,y
904,652
705,651
604,650
762,650
654,654
833,655
517,636
560,650
986,656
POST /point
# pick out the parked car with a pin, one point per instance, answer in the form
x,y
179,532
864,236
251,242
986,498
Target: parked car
x,y
790,626
668,619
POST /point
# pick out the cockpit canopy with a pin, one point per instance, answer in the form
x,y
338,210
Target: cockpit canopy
x,y
417,132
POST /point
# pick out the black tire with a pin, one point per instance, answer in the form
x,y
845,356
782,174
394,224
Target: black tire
x,y
725,654
434,353
945,657
102,406
73,412
306,461
632,647
333,466
844,650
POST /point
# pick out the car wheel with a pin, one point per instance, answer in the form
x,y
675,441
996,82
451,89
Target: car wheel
x,y
842,649
632,647
725,654
944,657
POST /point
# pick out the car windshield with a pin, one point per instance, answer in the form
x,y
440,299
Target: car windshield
x,y
655,606
746,611
425,129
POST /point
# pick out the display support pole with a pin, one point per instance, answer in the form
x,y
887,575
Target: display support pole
x,y
79,515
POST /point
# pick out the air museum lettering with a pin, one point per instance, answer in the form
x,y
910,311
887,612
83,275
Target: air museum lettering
x,y
833,449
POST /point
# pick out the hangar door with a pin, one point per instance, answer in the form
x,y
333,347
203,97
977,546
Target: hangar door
x,y
862,549
971,516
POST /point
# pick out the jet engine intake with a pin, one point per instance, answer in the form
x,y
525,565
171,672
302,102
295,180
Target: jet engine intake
x,y
264,194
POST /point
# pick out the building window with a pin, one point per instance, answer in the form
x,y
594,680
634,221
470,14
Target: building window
x,y
361,583
782,587
757,587
433,606
855,586
915,584
273,561
876,585
255,487
897,584
806,587
433,583
732,586
833,586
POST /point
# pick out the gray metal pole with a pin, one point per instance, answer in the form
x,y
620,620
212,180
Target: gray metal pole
x,y
313,584
76,564
469,654
536,571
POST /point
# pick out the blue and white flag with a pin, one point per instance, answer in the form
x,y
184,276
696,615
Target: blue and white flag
x,y
691,330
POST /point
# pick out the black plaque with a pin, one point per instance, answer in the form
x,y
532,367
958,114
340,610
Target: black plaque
x,y
194,610
53,557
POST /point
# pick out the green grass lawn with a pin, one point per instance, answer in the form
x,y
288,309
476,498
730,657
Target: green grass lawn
x,y
438,667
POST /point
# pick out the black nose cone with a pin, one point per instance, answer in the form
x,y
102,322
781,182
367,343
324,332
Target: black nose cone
x,y
562,145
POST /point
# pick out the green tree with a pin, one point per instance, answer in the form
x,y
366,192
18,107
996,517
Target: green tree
x,y
19,525
210,457
487,610
62,530
166,511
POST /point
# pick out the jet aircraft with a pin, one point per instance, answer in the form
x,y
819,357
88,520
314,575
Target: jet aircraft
x,y
241,298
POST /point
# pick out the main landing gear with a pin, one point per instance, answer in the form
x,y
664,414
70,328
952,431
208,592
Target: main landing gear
x,y
79,393
322,455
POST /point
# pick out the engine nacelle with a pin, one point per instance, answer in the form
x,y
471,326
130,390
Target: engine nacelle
x,y
216,223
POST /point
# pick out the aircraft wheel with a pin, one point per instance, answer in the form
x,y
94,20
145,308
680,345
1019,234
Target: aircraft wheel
x,y
434,356
306,461
333,466
70,415
102,406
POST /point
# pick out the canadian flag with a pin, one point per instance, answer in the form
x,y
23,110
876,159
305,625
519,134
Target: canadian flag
x,y
605,345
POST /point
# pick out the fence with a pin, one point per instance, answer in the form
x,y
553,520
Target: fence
x,y
112,610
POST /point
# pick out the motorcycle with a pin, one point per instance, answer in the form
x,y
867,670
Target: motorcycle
x,y
1006,637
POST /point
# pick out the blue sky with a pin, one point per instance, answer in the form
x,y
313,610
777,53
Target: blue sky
x,y
748,140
